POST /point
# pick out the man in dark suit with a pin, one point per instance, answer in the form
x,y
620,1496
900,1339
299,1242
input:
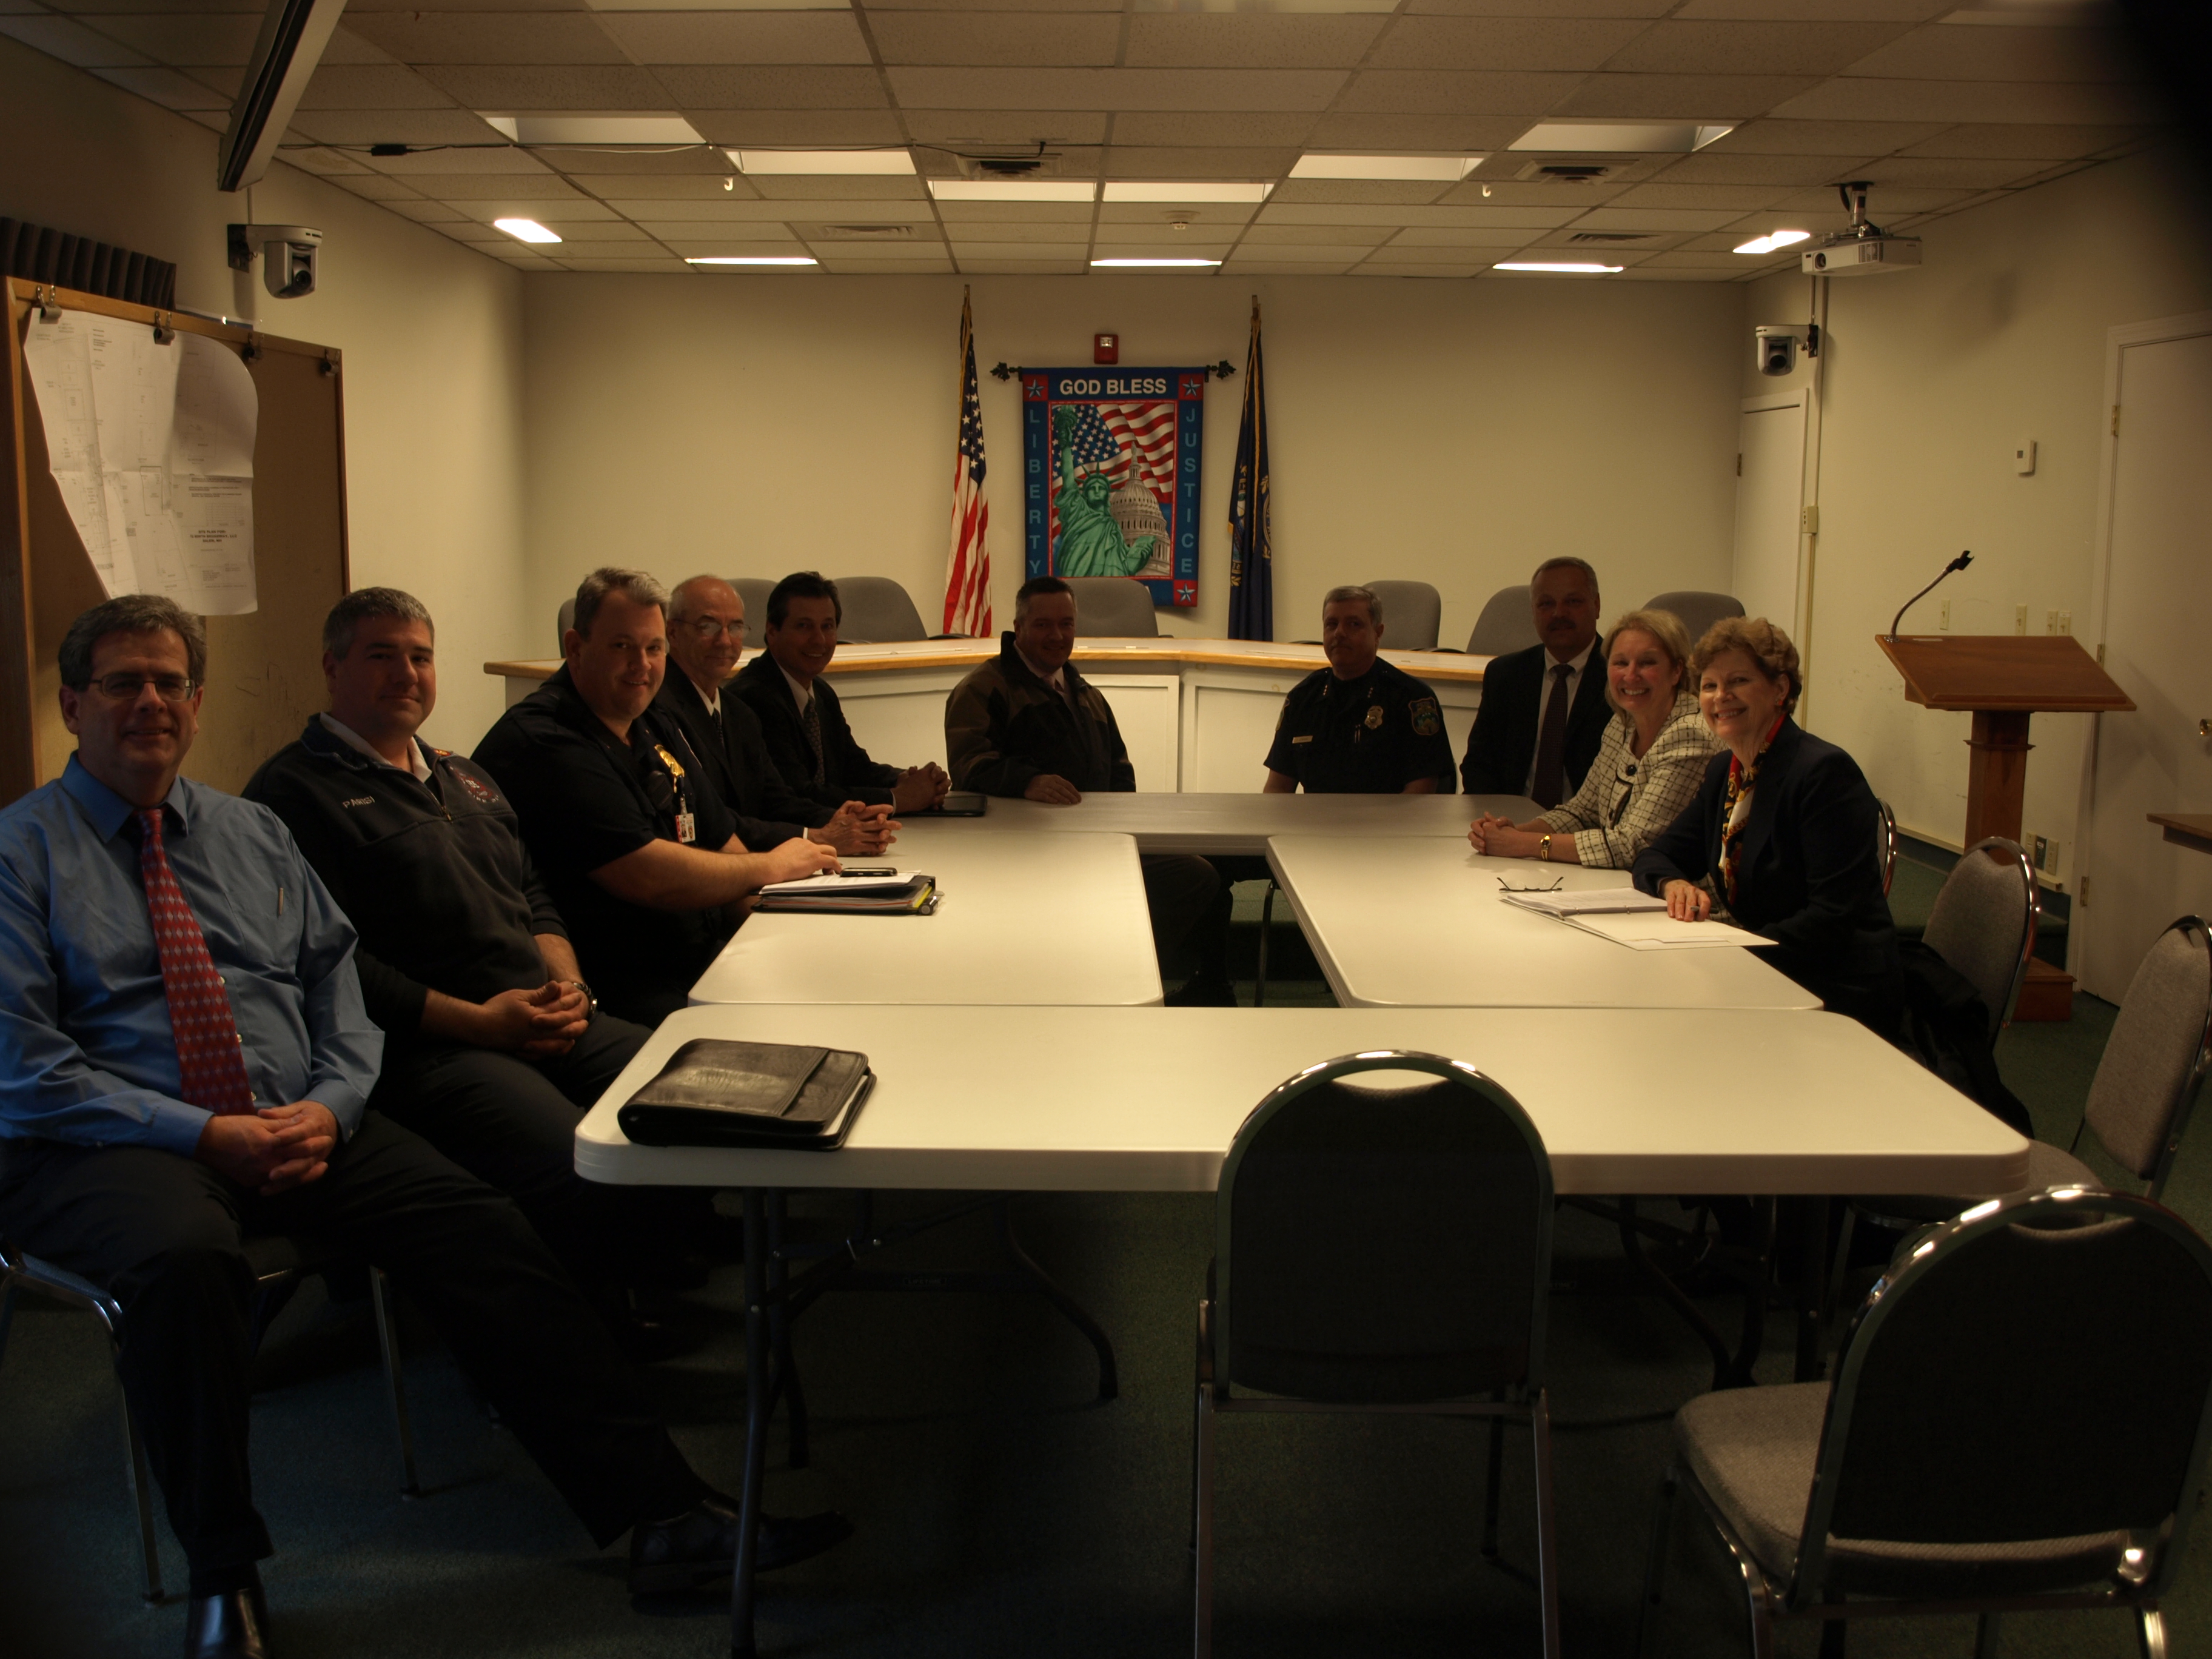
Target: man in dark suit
x,y
808,736
705,638
1543,712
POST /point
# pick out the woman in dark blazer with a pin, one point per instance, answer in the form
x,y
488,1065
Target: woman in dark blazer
x,y
1783,829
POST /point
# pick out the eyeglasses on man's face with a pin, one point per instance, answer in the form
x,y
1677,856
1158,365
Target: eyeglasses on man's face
x,y
125,687
713,628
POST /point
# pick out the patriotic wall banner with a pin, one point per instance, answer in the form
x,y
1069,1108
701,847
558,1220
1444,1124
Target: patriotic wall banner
x,y
1110,467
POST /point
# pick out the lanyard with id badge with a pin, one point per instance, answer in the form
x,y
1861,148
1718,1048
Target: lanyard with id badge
x,y
687,823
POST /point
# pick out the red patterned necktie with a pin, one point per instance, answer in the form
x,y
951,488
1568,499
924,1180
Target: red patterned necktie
x,y
209,1053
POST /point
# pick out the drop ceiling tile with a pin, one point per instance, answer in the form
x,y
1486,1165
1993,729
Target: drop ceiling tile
x,y
422,212
1412,192
492,156
737,37
178,38
972,41
999,129
1849,98
1207,215
1729,198
70,41
878,253
1508,192
595,231
1342,235
1239,266
1441,240
1073,161
1132,161
493,37
522,258
1103,249
796,129
1506,43
1118,88
546,87
956,214
1954,52
1162,129
1381,267
377,188
1402,252
1022,267
1678,47
1250,39
892,268
346,47
727,211
89,9
665,266
1883,206
1454,91
1543,7
1802,170
1950,173
2024,141
657,187
1647,274
1572,240
369,86
223,77
765,242
1739,266
165,87
703,164
1614,218
838,187
1818,11
357,8
409,126
486,209
1684,97
1769,138
1375,131
1820,220
1335,254
481,186
794,87
964,252
1295,213
323,163
1001,231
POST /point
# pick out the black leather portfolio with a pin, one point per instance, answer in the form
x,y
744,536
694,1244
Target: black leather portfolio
x,y
713,1093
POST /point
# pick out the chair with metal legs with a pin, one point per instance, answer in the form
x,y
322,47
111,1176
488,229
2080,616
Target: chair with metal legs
x,y
1382,1243
2019,1421
278,1263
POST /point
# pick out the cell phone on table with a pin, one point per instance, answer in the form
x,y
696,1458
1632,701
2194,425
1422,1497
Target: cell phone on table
x,y
878,870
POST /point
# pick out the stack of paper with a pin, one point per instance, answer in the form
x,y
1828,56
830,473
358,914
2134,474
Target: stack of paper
x,y
1592,901
1639,920
903,893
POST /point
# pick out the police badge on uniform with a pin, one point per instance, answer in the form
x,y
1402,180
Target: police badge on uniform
x,y
1427,722
1375,717
485,794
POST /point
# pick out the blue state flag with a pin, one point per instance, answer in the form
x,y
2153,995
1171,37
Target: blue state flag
x,y
1251,543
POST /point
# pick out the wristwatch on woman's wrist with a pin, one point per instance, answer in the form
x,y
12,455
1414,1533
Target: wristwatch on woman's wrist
x,y
1544,848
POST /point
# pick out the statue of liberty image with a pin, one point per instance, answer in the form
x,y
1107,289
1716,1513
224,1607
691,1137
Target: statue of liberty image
x,y
1091,543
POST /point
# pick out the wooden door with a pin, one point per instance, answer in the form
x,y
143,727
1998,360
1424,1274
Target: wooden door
x,y
1769,493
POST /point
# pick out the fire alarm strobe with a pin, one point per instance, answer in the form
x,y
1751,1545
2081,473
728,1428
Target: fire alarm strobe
x,y
1105,348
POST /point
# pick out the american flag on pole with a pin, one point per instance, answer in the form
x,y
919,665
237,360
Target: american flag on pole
x,y
968,568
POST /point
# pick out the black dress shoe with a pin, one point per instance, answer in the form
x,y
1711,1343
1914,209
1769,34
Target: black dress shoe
x,y
232,1626
702,1544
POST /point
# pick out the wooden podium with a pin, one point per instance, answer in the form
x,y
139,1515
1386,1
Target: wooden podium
x,y
2002,679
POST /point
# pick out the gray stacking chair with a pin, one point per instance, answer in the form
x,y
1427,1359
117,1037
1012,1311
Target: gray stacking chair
x,y
1381,1245
1984,923
1884,833
1411,614
278,1265
754,591
1113,607
566,621
877,611
1698,609
2019,1422
1507,623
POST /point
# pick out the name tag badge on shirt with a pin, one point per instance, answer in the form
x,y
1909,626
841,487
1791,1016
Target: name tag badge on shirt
x,y
687,827
1308,738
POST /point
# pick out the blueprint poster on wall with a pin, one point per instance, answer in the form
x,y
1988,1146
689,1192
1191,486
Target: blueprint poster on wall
x,y
1111,459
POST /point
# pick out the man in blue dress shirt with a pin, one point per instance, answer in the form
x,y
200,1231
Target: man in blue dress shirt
x,y
185,1059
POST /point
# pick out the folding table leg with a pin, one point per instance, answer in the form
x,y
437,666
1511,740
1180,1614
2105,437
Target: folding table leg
x,y
1811,1285
759,1402
788,1385
1069,1309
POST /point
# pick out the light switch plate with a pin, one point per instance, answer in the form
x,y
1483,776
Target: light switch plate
x,y
2023,457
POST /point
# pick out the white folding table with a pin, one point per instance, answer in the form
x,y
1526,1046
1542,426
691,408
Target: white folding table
x,y
1043,919
1419,923
1149,1099
1163,822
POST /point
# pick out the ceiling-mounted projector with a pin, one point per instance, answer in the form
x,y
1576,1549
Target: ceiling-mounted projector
x,y
1863,248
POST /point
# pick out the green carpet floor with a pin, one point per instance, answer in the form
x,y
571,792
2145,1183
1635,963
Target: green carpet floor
x,y
1000,1509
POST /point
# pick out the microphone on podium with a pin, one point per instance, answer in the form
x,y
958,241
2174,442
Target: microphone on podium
x,y
1959,563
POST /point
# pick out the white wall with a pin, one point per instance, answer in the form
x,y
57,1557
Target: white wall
x,y
1932,377
432,335
1453,432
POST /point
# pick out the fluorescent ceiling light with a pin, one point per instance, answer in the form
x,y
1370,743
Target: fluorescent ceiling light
x,y
1175,190
1154,264
1002,189
525,230
596,129
1773,240
756,259
1558,268
1441,169
820,160
1623,137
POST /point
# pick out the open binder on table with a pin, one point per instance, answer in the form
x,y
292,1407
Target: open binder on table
x,y
718,1093
1639,921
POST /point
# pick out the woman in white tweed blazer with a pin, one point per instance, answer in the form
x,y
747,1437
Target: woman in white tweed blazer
x,y
1647,769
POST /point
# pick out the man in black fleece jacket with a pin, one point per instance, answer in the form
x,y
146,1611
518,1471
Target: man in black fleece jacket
x,y
494,1045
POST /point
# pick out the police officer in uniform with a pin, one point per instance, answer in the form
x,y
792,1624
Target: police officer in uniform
x,y
1359,725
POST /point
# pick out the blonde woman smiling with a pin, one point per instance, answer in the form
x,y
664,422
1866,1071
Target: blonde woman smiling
x,y
1647,768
